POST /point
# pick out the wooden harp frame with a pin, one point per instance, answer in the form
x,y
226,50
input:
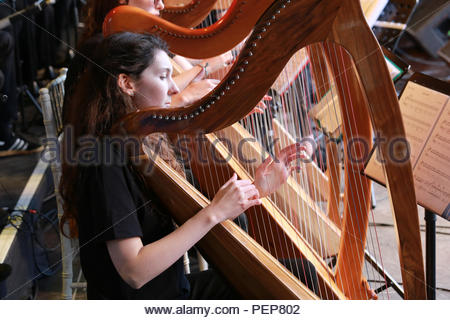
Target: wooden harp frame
x,y
289,25
189,15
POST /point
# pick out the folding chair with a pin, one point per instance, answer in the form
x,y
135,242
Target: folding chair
x,y
51,99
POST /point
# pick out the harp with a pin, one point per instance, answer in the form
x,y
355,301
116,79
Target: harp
x,y
188,13
368,104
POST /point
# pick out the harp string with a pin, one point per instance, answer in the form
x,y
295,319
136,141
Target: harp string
x,y
303,89
348,101
324,80
372,233
252,127
301,97
352,134
293,119
347,280
365,204
290,104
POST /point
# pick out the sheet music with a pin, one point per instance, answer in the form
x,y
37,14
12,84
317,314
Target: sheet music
x,y
420,108
426,117
432,172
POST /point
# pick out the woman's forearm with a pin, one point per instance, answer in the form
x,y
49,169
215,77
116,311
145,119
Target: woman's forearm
x,y
138,264
185,78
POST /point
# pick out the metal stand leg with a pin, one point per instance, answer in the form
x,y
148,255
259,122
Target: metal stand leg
x,y
430,232
373,200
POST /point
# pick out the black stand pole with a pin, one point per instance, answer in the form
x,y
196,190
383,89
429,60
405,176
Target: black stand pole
x,y
430,232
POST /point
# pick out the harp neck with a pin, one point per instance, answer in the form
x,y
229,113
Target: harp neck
x,y
220,37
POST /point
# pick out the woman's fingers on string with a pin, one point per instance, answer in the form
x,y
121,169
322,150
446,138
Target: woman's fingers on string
x,y
254,202
266,162
286,152
250,191
293,168
243,183
240,183
301,154
233,178
258,109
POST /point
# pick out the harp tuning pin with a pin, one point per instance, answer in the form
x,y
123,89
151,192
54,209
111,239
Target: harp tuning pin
x,y
283,6
201,109
258,36
268,23
227,88
250,53
191,115
278,11
246,62
212,102
222,93
167,118
196,113
208,106
241,70
173,118
237,77
160,117
179,118
232,82
154,116
263,30
185,117
273,17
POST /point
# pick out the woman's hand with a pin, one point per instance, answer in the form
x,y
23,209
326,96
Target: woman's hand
x,y
271,174
233,198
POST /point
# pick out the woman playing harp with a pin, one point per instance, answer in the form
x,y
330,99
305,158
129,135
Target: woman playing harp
x,y
371,102
128,246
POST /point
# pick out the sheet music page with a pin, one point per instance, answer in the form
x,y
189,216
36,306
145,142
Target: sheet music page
x,y
426,117
420,108
432,172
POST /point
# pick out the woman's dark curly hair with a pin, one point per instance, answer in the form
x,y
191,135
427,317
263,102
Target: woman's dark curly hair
x,y
98,102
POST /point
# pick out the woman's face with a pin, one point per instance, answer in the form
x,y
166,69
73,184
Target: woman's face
x,y
155,86
151,6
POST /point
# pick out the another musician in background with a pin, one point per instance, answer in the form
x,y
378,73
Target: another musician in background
x,y
129,247
192,82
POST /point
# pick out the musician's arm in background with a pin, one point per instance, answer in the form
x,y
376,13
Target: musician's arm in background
x,y
197,81
188,76
193,92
